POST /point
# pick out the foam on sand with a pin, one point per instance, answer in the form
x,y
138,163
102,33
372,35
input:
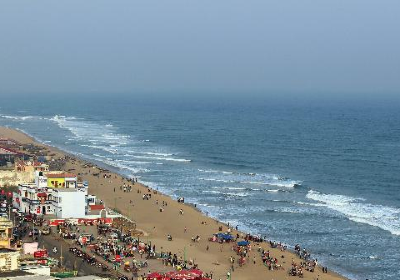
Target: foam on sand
x,y
355,209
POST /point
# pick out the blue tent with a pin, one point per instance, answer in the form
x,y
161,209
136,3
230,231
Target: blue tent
x,y
243,243
225,236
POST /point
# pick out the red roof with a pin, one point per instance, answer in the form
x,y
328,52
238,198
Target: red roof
x,y
61,175
96,207
10,151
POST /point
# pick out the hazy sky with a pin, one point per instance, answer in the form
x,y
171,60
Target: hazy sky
x,y
299,46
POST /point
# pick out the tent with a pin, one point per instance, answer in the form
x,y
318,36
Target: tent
x,y
225,236
243,243
154,275
184,275
196,271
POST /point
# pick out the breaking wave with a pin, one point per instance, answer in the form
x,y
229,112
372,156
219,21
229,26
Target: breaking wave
x,y
355,209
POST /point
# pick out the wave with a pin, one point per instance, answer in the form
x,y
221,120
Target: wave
x,y
125,167
164,158
384,217
21,118
238,194
248,178
90,131
158,154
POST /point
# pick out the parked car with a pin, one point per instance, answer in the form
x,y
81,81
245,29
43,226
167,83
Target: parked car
x,y
46,230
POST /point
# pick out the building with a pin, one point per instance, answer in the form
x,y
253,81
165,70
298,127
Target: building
x,y
6,228
8,142
30,166
57,194
8,259
8,155
61,180
69,203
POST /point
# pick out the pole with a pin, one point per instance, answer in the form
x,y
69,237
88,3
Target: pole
x,y
184,254
61,256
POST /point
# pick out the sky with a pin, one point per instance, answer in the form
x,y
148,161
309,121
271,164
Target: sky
x,y
330,47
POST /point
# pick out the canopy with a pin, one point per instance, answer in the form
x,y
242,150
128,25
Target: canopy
x,y
154,275
196,271
184,275
224,236
243,243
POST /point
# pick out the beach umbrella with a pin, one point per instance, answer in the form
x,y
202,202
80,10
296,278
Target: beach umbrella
x,y
243,243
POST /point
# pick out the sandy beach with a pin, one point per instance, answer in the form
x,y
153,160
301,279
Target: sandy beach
x,y
210,256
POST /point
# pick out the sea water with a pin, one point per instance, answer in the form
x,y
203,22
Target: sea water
x,y
326,176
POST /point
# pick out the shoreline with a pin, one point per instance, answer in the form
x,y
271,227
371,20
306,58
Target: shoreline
x,y
102,192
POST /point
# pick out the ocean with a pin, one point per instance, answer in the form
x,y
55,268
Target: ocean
x,y
325,175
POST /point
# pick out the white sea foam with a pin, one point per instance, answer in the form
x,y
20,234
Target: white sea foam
x,y
158,154
384,217
248,178
240,194
213,192
125,167
21,118
164,158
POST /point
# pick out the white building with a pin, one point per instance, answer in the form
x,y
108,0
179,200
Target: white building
x,y
8,259
56,194
69,203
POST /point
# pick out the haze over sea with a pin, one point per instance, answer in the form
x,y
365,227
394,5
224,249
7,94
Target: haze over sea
x,y
322,174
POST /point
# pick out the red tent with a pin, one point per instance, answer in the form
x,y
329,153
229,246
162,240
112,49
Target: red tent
x,y
183,275
196,271
154,275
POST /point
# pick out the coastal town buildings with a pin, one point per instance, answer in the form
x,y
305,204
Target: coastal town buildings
x,y
30,166
6,227
8,259
57,194
9,156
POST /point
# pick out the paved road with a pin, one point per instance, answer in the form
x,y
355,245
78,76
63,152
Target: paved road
x,y
69,259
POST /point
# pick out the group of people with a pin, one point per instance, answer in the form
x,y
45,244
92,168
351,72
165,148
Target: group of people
x,y
269,261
